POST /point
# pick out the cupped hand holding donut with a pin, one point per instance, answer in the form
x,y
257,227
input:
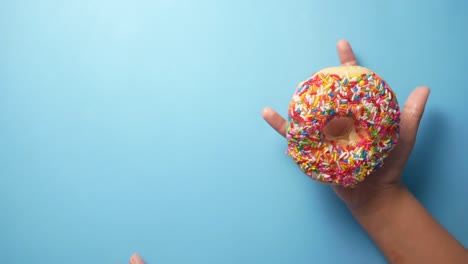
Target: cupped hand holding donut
x,y
389,176
401,227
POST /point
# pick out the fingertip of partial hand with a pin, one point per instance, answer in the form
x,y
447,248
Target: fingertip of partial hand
x,y
136,259
342,43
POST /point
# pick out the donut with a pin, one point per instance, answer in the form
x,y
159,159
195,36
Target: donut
x,y
342,123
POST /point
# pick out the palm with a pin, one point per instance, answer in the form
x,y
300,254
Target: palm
x,y
389,175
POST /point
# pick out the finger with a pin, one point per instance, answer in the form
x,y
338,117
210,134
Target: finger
x,y
345,52
409,123
275,120
136,259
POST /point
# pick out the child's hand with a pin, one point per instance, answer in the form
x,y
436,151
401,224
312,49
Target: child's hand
x,y
387,178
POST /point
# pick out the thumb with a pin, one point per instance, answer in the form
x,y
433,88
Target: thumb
x,y
409,123
136,259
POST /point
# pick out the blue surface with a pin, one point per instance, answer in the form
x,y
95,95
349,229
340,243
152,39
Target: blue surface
x,y
134,126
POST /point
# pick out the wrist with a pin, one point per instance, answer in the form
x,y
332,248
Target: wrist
x,y
377,214
380,198
405,231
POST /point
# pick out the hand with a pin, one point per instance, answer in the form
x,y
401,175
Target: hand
x,y
136,259
387,178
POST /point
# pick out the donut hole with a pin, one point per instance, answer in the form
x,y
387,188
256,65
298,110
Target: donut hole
x,y
340,129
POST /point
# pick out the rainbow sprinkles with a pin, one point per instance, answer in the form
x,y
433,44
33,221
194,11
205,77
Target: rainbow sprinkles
x,y
353,92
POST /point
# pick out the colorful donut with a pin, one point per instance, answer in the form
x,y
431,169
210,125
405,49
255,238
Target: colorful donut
x,y
342,123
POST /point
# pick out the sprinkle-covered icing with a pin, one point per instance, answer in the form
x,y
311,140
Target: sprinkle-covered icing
x,y
364,97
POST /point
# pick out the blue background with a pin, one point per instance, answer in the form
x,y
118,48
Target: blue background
x,y
134,126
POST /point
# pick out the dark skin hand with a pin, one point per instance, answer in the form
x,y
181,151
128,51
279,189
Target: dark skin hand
x,y
389,175
382,204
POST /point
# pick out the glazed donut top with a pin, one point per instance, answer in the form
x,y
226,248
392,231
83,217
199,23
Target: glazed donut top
x,y
354,93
